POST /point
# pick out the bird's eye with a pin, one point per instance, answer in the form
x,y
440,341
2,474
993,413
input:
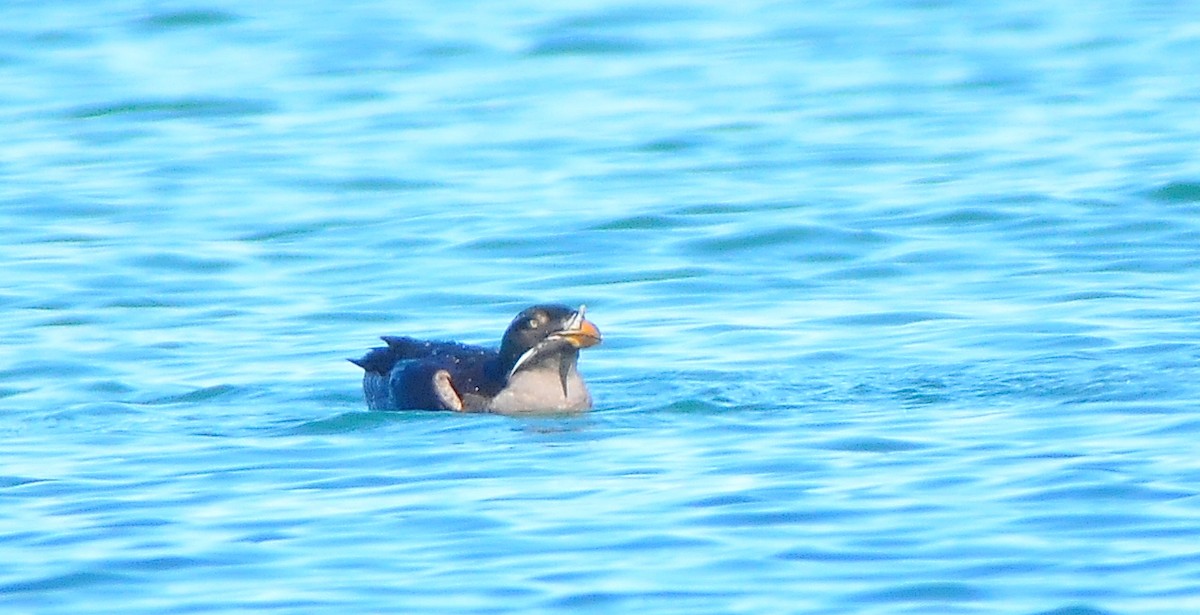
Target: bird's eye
x,y
532,323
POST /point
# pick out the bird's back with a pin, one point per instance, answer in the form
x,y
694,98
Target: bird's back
x,y
400,375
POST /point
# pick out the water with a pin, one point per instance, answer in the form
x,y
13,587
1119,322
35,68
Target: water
x,y
899,303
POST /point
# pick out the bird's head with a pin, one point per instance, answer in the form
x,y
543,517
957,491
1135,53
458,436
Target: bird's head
x,y
546,334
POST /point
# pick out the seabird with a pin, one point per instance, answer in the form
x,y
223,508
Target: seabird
x,y
534,370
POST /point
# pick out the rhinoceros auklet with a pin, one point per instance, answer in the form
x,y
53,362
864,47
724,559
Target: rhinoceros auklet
x,y
534,370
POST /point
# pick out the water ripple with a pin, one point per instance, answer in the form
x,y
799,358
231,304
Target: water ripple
x,y
898,302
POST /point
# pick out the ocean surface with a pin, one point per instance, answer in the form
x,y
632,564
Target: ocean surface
x,y
901,305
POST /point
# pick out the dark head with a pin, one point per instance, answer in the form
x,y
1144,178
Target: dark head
x,y
546,335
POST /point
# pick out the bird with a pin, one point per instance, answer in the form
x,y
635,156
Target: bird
x,y
533,371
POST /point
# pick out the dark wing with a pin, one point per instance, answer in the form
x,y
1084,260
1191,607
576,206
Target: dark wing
x,y
423,384
474,370
421,374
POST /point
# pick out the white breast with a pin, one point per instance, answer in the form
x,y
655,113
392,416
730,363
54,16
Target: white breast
x,y
541,390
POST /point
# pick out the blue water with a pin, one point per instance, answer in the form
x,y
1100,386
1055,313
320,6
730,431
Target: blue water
x,y
899,299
